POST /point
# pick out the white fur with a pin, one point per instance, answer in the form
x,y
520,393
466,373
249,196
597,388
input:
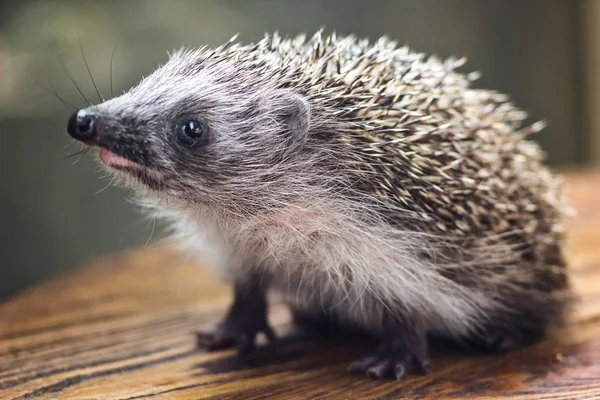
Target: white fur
x,y
329,256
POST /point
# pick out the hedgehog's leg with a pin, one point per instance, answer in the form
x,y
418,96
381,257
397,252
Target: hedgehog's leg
x,y
245,319
402,351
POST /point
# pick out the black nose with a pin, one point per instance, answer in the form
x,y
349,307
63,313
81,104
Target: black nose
x,y
82,125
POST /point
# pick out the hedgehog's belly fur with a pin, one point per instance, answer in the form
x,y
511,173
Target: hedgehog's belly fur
x,y
358,274
501,317
363,273
357,306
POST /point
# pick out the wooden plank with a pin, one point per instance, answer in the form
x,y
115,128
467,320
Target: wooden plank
x,y
122,329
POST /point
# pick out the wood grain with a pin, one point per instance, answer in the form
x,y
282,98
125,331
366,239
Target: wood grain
x,y
122,329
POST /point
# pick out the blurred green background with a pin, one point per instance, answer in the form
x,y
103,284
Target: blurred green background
x,y
54,214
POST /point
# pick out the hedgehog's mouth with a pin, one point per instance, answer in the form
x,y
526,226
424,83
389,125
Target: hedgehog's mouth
x,y
115,161
149,177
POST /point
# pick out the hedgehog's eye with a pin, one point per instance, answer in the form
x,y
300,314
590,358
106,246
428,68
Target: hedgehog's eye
x,y
190,131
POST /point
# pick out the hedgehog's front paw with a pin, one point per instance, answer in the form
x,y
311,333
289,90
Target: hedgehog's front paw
x,y
220,338
246,318
228,335
394,358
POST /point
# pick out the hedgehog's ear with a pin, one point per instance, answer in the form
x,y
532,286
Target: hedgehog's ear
x,y
293,112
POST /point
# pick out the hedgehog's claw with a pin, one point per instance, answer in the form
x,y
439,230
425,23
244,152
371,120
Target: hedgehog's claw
x,y
395,358
225,336
220,339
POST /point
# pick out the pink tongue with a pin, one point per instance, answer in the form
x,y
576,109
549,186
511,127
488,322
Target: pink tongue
x,y
113,160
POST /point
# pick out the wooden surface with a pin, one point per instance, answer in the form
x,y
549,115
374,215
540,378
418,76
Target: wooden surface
x,y
122,329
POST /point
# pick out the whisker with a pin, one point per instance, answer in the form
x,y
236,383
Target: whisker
x,y
81,156
82,151
151,232
90,72
105,187
47,121
75,83
55,94
111,69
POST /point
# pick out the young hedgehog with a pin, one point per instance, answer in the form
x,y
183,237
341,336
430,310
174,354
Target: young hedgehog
x,y
370,185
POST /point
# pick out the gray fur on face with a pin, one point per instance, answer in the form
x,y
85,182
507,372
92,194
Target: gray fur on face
x,y
252,125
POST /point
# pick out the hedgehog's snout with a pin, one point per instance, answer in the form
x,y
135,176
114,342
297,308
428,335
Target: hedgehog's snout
x,y
83,125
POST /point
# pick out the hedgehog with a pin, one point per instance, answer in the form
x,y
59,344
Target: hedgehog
x,y
370,186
